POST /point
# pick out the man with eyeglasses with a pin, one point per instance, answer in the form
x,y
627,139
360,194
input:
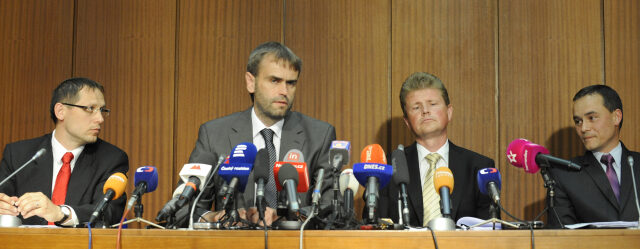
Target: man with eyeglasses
x,y
66,182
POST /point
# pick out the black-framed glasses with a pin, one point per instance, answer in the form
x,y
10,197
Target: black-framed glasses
x,y
90,109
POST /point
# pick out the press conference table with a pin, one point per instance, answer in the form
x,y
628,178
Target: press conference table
x,y
141,238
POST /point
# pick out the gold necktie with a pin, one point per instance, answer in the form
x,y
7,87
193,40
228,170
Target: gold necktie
x,y
430,198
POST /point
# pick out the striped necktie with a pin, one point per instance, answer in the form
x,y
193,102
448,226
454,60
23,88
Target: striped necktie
x,y
270,194
430,199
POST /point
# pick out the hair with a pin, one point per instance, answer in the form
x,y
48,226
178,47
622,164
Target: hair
x,y
610,97
68,91
421,80
278,50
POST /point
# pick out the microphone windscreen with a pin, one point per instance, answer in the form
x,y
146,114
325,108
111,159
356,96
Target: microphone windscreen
x,y
243,153
487,175
209,158
116,182
373,153
342,148
443,177
348,181
261,165
287,172
399,162
522,154
294,155
147,174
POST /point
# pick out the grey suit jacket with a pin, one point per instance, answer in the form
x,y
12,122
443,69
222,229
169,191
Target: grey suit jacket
x,y
313,137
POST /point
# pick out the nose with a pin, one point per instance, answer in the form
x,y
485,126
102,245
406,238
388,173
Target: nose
x,y
99,117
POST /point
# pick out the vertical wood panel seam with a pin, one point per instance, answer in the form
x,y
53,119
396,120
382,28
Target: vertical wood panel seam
x,y
389,79
175,95
602,36
283,20
74,36
497,82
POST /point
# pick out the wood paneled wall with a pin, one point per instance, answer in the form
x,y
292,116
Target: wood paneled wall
x,y
511,68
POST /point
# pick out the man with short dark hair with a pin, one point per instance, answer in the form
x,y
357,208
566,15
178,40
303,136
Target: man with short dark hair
x,y
66,182
603,189
427,112
271,78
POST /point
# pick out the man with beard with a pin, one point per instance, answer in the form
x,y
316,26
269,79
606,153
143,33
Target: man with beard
x,y
271,78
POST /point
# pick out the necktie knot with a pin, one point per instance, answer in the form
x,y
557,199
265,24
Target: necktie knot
x,y
433,158
267,134
607,159
67,157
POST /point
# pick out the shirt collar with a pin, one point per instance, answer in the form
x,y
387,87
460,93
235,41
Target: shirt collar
x,y
58,150
258,125
616,153
443,151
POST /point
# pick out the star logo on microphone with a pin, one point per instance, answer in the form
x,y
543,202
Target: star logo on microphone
x,y
511,157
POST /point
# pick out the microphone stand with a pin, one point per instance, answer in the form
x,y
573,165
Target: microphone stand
x,y
494,209
335,214
138,209
549,184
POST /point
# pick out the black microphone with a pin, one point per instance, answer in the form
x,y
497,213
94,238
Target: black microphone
x,y
171,206
542,158
38,154
113,189
288,177
401,177
261,174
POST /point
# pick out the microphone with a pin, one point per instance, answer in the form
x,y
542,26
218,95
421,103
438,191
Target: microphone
x,y
238,169
443,181
490,183
194,176
113,189
348,187
296,159
288,177
146,181
339,153
374,174
635,188
171,206
401,177
524,154
38,154
261,174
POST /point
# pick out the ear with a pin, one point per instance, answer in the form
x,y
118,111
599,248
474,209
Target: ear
x,y
449,112
406,122
617,117
251,82
60,111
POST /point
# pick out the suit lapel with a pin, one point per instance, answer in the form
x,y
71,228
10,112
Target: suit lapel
x,y
599,178
44,168
626,184
457,163
415,188
242,131
80,176
292,136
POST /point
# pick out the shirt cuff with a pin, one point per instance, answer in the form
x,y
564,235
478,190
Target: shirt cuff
x,y
74,218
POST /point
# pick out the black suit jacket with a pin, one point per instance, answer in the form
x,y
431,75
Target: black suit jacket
x,y
466,198
311,136
94,165
586,195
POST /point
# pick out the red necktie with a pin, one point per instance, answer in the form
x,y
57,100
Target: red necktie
x,y
62,181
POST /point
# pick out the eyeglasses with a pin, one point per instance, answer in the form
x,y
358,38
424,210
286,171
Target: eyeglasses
x,y
90,109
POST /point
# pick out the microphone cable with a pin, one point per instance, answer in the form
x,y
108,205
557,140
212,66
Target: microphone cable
x,y
313,213
433,235
209,179
529,223
89,226
120,228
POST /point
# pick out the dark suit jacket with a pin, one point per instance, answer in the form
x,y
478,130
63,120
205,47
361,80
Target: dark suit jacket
x,y
94,165
466,199
313,137
586,195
